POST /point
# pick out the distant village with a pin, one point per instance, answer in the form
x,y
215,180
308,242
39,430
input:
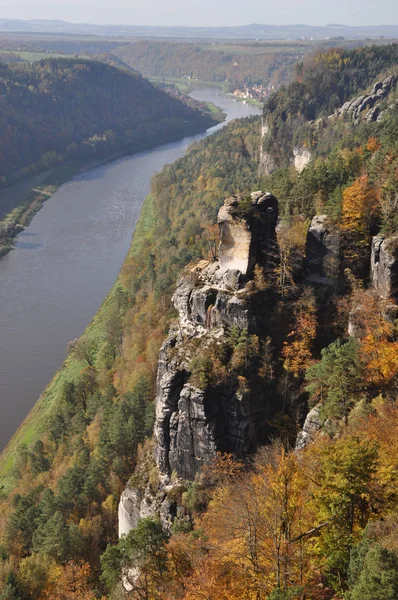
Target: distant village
x,y
254,92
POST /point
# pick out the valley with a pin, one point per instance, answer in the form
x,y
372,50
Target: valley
x,y
200,340
66,261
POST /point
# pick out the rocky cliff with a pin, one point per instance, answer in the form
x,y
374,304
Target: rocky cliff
x,y
370,107
267,164
297,140
194,420
384,266
302,157
322,264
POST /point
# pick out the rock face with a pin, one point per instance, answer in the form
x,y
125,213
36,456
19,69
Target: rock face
x,y
311,427
322,254
192,424
266,163
355,326
384,266
367,107
302,157
246,240
136,504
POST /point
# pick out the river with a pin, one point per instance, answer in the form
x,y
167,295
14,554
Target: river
x,y
66,261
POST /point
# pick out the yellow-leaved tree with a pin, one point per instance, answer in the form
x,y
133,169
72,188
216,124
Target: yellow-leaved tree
x,y
297,350
359,211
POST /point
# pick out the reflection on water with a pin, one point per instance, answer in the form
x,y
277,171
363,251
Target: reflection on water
x,y
52,284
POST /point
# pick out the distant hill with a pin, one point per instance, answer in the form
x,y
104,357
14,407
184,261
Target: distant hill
x,y
248,32
222,63
58,109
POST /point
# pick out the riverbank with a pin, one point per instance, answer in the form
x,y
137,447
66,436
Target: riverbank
x,y
61,269
15,221
34,424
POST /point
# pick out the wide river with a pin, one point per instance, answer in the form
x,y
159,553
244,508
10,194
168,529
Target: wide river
x,y
66,261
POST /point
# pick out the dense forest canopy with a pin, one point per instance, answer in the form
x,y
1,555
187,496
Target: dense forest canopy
x,y
59,108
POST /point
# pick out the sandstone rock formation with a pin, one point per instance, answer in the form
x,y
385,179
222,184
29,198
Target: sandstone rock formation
x,y
384,266
322,254
311,427
368,106
136,504
355,325
193,424
266,163
302,157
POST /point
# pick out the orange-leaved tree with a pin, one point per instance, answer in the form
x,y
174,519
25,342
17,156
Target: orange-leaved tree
x,y
297,351
256,532
359,212
378,336
73,583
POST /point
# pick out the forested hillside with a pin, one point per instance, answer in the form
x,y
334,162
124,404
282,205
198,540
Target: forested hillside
x,y
318,522
63,109
225,64
323,82
60,492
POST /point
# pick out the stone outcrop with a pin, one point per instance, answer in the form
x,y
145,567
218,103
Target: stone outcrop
x,y
322,264
311,427
384,283
192,424
302,157
266,163
246,240
384,266
136,504
355,325
367,107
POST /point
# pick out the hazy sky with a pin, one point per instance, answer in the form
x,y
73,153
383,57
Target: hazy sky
x,y
206,12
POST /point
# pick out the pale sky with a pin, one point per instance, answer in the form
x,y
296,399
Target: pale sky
x,y
206,12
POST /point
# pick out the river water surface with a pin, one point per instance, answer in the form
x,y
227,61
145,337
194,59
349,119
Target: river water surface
x,y
66,261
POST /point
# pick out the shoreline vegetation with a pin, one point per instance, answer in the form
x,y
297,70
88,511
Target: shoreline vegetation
x,y
19,218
